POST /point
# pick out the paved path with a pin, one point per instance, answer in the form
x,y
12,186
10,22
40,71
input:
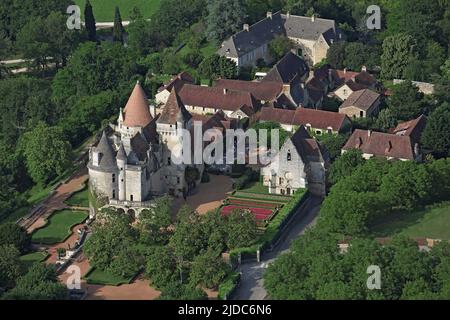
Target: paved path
x,y
208,196
251,286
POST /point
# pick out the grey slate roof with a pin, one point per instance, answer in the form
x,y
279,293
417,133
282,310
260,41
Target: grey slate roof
x,y
280,24
108,157
121,154
289,68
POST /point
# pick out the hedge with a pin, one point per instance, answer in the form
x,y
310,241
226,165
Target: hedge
x,y
229,285
273,229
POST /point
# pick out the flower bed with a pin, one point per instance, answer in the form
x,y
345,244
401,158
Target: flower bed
x,y
259,213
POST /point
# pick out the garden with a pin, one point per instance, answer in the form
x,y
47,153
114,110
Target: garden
x,y
59,227
79,199
97,276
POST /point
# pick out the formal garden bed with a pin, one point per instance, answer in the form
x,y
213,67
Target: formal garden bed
x,y
100,277
34,257
79,199
59,227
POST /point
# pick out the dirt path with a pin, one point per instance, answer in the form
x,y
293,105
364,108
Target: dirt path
x,y
209,196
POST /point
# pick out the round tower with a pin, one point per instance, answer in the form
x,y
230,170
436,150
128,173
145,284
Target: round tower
x,y
121,159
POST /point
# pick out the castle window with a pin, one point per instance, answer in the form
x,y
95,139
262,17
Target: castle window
x,y
169,161
114,194
280,180
178,180
361,114
113,177
289,155
131,197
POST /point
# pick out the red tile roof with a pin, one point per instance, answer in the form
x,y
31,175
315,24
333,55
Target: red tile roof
x,y
217,98
411,128
137,112
264,91
381,144
302,116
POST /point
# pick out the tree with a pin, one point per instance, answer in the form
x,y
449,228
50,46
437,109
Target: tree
x,y
89,21
188,239
12,234
386,120
225,17
215,66
269,126
214,226
178,291
10,265
241,229
445,69
279,46
336,54
333,143
345,165
398,50
111,234
154,223
208,270
45,38
94,68
39,283
405,102
118,27
161,267
46,151
359,54
436,135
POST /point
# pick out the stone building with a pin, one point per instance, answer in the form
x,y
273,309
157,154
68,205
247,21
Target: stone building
x,y
311,35
300,163
133,164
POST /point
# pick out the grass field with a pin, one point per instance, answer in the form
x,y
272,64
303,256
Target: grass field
x,y
58,227
31,258
429,223
97,276
104,9
79,199
255,187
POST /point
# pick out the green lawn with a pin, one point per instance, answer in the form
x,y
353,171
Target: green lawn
x,y
79,199
59,227
255,187
31,258
97,276
104,9
428,223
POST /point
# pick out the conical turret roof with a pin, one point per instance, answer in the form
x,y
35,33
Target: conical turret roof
x,y
137,112
107,159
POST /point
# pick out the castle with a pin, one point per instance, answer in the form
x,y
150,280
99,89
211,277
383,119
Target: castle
x,y
133,164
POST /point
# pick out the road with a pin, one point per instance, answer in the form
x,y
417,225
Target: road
x,y
251,286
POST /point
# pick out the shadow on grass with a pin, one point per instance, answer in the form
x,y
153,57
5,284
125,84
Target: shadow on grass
x,y
396,222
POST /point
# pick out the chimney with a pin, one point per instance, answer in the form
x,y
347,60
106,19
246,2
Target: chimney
x,y
345,70
363,68
302,85
288,15
294,51
246,27
369,133
313,17
225,90
331,41
269,14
